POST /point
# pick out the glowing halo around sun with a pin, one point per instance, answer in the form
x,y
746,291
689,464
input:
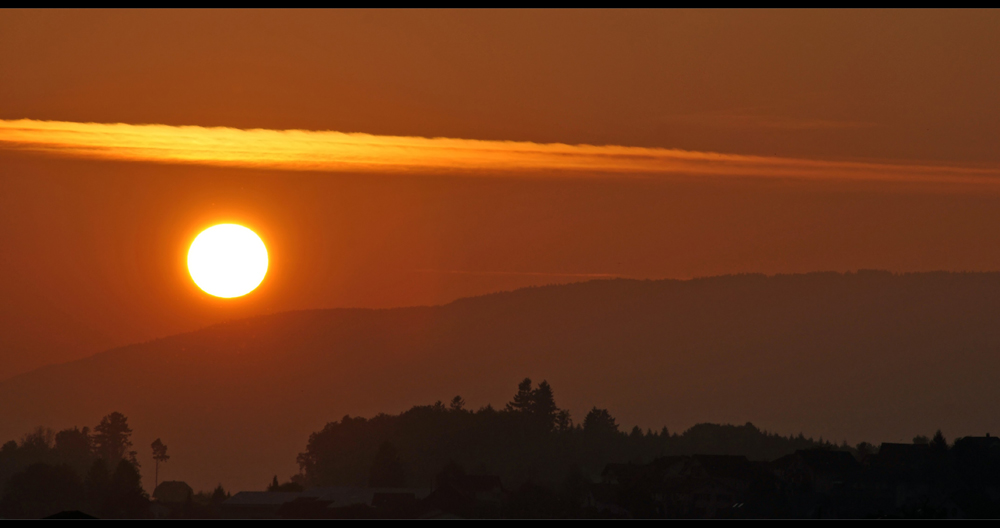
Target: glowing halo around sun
x,y
227,260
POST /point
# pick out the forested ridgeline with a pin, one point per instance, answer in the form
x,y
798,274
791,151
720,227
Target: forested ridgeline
x,y
529,440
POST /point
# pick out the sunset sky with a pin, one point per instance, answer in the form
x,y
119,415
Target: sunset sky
x,y
402,158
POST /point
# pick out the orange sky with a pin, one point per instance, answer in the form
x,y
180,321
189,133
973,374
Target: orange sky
x,y
93,248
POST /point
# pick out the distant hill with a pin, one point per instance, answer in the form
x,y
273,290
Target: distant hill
x,y
32,328
860,356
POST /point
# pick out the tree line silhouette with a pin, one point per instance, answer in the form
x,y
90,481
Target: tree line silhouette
x,y
553,468
526,459
73,469
529,440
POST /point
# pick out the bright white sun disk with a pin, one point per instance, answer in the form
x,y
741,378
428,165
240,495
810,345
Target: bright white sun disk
x,y
227,260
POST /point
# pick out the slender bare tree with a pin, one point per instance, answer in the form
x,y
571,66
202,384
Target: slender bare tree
x,y
159,455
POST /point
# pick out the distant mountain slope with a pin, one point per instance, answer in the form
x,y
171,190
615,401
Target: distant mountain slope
x,y
35,331
867,355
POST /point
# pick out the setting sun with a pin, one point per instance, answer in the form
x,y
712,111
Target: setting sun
x,y
449,264
227,260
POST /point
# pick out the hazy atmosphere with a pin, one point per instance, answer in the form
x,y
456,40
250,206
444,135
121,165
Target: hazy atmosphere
x,y
667,218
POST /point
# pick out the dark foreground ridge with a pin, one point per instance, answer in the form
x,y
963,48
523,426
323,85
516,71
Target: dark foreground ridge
x,y
867,355
525,460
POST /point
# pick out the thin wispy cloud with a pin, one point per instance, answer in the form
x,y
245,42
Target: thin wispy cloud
x,y
302,150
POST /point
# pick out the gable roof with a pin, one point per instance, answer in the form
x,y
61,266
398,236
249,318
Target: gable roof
x,y
173,491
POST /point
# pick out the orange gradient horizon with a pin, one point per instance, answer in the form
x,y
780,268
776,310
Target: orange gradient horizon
x,y
411,158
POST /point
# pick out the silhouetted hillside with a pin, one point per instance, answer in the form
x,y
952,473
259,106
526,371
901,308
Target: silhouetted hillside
x,y
530,440
860,356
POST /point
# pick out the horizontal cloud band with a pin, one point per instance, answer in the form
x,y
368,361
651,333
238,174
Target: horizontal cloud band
x,y
342,152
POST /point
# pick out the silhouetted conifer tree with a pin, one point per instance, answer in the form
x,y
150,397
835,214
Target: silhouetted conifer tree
x,y
542,405
599,421
219,495
113,439
636,433
523,398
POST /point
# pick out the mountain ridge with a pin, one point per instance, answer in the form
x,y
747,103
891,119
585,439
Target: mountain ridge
x,y
859,356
